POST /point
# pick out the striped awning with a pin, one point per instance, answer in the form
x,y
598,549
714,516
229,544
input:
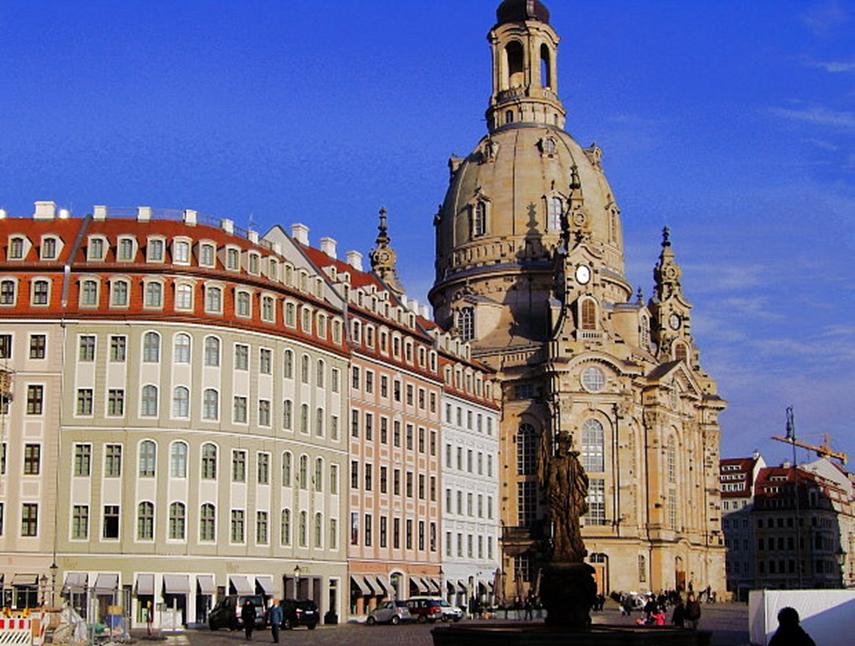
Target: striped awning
x,y
241,584
435,584
206,584
421,586
360,584
265,583
383,581
76,581
176,583
145,584
461,585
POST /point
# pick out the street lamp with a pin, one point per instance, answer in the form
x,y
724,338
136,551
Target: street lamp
x,y
54,568
297,581
43,587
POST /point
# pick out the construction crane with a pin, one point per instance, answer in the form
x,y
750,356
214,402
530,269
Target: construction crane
x,y
821,450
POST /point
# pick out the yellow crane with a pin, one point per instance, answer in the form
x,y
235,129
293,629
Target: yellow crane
x,y
822,450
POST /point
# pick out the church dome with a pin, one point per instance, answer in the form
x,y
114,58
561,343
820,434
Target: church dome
x,y
505,200
521,10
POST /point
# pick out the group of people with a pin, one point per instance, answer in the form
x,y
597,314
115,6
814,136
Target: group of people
x,y
274,616
654,611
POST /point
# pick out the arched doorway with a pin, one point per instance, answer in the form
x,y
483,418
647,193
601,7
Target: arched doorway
x,y
679,574
600,563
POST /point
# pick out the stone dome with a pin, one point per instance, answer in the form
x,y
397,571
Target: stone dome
x,y
521,10
521,175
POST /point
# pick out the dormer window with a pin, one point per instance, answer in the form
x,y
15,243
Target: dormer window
x,y
89,293
396,346
8,287
369,336
181,252
207,252
153,295
213,299
306,320
433,361
243,304
336,331
253,260
356,332
119,290
466,323
41,292
304,278
16,248
268,309
408,351
289,275
126,249
232,258
183,296
96,249
290,314
272,269
49,248
155,249
384,341
321,323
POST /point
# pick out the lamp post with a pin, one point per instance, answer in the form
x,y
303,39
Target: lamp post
x,y
791,435
297,581
43,588
54,568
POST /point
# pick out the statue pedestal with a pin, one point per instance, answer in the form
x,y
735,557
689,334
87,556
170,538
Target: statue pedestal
x,y
568,591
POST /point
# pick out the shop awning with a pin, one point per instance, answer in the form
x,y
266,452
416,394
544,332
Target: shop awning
x,y
379,589
265,583
206,584
76,581
461,585
106,583
145,585
176,583
241,585
451,587
436,584
420,584
25,579
360,584
370,584
384,582
490,586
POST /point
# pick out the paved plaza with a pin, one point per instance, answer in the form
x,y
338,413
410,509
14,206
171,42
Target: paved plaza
x,y
729,623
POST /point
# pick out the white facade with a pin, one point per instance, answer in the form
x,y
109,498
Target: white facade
x,y
470,490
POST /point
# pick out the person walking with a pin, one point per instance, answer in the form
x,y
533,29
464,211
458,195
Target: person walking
x,y
247,615
789,632
276,618
679,616
693,611
149,618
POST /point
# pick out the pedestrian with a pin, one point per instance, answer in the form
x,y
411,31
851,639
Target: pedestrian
x,y
529,607
149,618
247,615
276,618
789,632
679,616
626,606
693,611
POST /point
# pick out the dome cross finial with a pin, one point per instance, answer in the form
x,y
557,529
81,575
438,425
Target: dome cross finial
x,y
666,237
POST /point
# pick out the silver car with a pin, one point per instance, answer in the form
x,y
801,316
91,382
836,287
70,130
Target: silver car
x,y
391,612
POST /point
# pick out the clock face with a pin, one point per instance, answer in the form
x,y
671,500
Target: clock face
x,y
675,321
583,274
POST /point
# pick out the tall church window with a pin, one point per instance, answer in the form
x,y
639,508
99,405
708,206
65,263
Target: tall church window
x,y
556,206
596,502
509,116
479,220
593,440
516,70
671,460
526,456
589,315
680,352
545,67
672,509
466,323
526,503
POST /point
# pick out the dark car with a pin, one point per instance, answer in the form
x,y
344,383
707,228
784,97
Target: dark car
x,y
299,612
425,609
226,614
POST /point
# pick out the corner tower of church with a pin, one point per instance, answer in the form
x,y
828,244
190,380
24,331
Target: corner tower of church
x,y
530,269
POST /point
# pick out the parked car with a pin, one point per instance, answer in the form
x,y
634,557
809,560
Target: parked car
x,y
391,612
449,612
425,608
226,614
299,612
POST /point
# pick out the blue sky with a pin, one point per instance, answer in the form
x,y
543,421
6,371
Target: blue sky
x,y
732,122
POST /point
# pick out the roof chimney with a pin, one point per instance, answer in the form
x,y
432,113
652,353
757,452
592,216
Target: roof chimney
x,y
300,233
756,454
414,305
354,259
45,211
426,311
786,464
328,246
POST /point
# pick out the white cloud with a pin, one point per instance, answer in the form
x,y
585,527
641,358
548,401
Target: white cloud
x,y
834,67
817,115
824,18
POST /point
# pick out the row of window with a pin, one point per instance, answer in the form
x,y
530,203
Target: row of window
x,y
177,523
426,487
471,542
473,421
367,532
474,461
298,475
357,382
363,426
385,342
471,510
527,503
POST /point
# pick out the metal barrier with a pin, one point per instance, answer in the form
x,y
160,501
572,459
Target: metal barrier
x,y
22,631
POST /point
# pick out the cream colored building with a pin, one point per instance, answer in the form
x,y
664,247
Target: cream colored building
x,y
530,268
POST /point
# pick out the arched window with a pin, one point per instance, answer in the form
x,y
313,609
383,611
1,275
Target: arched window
x,y
213,299
545,67
183,297
289,365
319,530
153,294
593,440
207,523
209,461
319,422
212,351
514,58
466,323
181,402
119,293
151,347
178,460
680,353
319,475
181,352
304,369
88,293
285,529
479,219
304,418
177,521
589,315
526,453
556,207
303,474
302,530
145,521
149,401
671,460
286,469
148,458
319,374
288,415
509,116
211,404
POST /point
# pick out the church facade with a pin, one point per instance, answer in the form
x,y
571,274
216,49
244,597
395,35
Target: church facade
x,y
530,270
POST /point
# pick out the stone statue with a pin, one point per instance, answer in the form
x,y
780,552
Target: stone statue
x,y
566,492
